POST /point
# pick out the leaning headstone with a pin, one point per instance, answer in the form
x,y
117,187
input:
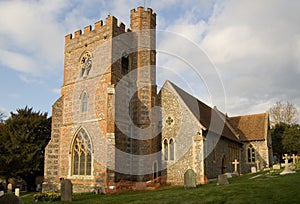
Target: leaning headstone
x,y
66,190
253,169
222,180
1,193
10,198
9,188
287,169
190,179
17,192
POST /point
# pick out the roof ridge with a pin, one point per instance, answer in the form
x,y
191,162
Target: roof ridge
x,y
255,114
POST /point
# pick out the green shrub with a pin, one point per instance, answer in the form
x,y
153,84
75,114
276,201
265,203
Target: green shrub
x,y
50,196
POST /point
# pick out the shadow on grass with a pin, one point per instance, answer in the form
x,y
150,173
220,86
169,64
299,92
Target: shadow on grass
x,y
265,188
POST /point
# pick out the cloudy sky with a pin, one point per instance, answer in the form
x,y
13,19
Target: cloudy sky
x,y
242,56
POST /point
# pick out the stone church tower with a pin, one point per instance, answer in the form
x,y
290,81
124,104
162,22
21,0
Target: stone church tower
x,y
103,126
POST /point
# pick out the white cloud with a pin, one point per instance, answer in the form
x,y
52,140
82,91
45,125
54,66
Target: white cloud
x,y
255,45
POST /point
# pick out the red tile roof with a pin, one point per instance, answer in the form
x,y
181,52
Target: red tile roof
x,y
251,127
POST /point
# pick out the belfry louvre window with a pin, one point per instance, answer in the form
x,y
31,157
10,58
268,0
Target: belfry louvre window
x,y
81,154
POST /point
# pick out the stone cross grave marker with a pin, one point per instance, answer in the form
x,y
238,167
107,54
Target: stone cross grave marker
x,y
235,163
222,180
286,166
66,190
294,157
190,179
286,162
257,165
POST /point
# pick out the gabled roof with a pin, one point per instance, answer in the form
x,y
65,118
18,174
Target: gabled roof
x,y
251,127
210,118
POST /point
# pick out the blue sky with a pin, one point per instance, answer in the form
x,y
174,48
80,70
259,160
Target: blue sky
x,y
253,48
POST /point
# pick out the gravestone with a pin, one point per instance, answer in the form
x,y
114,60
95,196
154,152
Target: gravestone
x,y
287,169
1,193
294,157
235,163
9,188
190,179
66,190
17,192
222,180
253,169
276,167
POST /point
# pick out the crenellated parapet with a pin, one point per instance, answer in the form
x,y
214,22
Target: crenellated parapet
x,y
141,10
110,26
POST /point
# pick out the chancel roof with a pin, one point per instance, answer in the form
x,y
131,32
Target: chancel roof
x,y
251,127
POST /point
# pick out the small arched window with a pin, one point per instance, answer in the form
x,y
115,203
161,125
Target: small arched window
x,y
172,152
166,156
251,153
84,102
125,64
81,154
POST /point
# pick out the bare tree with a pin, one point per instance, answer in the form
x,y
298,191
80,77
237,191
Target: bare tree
x,y
2,116
283,113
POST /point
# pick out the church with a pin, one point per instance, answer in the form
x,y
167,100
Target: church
x,y
111,124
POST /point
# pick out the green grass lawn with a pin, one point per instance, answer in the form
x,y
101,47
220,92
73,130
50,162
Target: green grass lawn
x,y
264,189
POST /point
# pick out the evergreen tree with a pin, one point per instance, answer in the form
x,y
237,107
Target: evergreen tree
x,y
291,139
23,138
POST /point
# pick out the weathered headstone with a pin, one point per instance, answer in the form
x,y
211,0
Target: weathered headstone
x,y
17,192
287,169
253,169
66,190
1,193
276,167
9,188
222,180
235,163
190,179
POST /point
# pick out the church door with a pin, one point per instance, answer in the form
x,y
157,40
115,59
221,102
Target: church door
x,y
223,165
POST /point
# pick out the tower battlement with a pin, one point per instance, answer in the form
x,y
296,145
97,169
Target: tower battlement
x,y
141,10
111,22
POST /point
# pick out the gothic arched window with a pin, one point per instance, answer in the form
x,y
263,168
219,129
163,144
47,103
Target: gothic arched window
x,y
166,149
251,153
81,154
84,102
172,151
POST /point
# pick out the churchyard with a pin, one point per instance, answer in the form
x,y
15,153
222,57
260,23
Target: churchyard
x,y
260,187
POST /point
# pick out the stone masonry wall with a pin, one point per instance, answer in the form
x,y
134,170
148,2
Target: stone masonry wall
x,y
183,130
52,150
